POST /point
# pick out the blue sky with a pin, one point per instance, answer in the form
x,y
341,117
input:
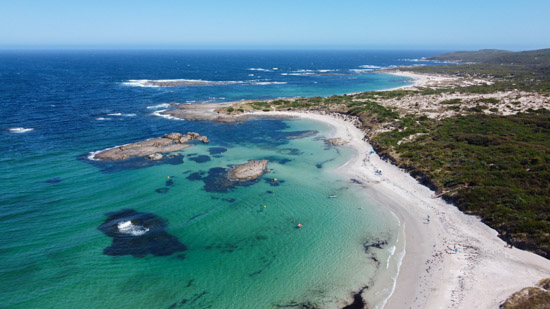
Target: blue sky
x,y
391,24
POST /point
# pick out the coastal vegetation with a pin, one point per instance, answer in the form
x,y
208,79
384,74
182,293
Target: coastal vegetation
x,y
488,163
530,298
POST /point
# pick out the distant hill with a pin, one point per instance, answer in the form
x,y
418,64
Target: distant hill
x,y
539,57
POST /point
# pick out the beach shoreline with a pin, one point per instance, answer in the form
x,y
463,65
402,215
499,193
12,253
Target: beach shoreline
x,y
481,273
452,261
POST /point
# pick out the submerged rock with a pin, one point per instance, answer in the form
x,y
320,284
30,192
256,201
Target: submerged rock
x,y
336,141
138,234
151,148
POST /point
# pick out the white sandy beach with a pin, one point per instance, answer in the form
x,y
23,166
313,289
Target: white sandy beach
x,y
482,274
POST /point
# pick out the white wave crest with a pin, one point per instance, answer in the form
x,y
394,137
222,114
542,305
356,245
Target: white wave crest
x,y
270,83
158,114
163,105
176,82
20,130
126,227
369,66
261,69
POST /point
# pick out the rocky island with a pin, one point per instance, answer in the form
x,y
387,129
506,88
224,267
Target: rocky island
x,y
248,171
151,148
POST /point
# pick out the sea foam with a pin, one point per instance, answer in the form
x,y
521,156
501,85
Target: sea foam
x,y
126,227
20,130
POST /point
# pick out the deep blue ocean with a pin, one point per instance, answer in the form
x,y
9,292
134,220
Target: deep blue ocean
x,y
236,248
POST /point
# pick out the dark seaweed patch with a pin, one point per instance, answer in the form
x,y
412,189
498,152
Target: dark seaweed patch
x,y
320,164
170,181
229,200
280,160
269,192
200,159
162,190
196,176
378,244
358,301
273,183
290,151
216,150
54,180
151,239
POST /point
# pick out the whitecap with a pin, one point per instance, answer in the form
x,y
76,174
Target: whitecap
x,y
114,114
269,83
176,82
369,66
259,70
20,130
127,227
163,105
158,114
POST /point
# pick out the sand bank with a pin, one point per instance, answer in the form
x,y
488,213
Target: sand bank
x,y
481,273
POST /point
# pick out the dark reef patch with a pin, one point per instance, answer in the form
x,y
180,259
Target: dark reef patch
x,y
274,183
290,151
170,181
200,159
280,160
216,150
54,180
162,190
138,234
196,175
130,164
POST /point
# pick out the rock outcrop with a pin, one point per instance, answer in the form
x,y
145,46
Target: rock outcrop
x,y
248,171
151,148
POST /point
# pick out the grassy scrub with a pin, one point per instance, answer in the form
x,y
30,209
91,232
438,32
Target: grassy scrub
x,y
493,166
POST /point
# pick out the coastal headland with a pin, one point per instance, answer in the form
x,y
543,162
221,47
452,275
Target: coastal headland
x,y
452,259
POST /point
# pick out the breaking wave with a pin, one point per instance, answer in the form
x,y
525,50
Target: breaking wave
x,y
126,227
193,82
20,130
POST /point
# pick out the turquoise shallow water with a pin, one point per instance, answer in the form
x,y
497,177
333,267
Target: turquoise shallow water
x,y
240,254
